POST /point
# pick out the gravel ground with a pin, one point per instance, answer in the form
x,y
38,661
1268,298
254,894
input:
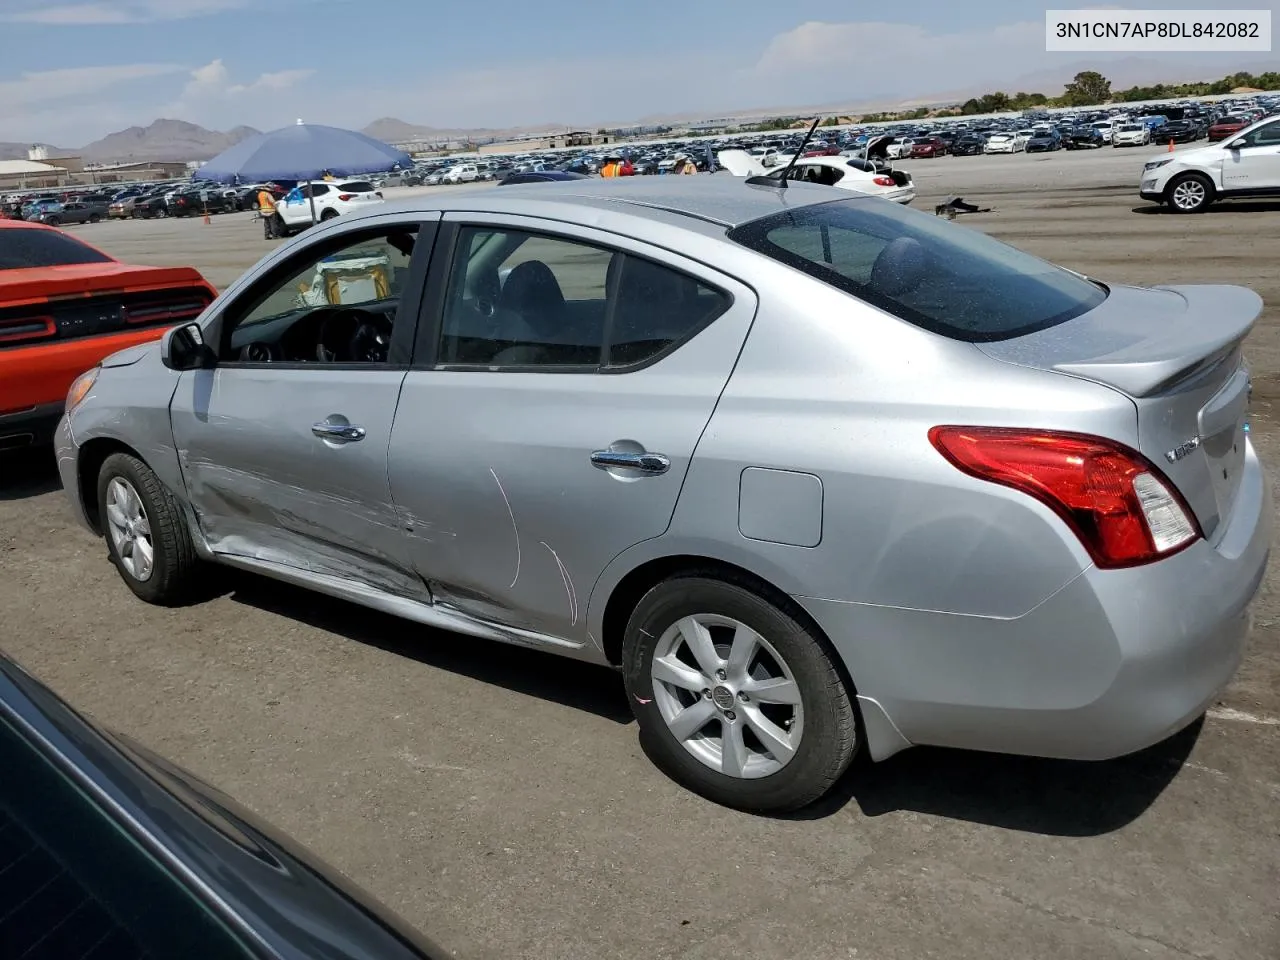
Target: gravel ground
x,y
499,799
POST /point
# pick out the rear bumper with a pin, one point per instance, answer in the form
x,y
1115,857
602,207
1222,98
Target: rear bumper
x,y
39,376
1114,662
33,427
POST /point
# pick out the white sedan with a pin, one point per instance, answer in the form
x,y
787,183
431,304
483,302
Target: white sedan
x,y
1003,143
845,173
332,199
1131,135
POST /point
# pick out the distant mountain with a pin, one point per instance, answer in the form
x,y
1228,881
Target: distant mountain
x,y
164,140
18,151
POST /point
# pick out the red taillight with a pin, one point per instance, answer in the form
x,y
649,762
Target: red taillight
x,y
23,329
158,312
346,196
1119,505
883,181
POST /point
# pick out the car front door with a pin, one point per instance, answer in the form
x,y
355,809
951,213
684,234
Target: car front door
x,y
1252,162
531,447
283,443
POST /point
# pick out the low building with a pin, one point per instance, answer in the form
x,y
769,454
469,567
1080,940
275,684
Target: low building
x,y
30,174
140,170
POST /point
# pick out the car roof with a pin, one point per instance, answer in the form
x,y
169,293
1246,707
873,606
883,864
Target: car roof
x,y
726,201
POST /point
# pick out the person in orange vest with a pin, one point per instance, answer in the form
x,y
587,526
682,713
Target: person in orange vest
x,y
612,167
271,223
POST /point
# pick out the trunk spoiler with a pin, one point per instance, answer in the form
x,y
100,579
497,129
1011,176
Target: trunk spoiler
x,y
1142,341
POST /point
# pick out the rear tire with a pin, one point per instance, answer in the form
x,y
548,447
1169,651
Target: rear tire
x,y
777,725
329,214
94,218
147,536
1189,193
54,222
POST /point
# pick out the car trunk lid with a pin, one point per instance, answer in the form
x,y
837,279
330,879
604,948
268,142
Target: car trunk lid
x,y
1175,352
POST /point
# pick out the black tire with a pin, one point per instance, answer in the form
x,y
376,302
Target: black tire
x,y
53,222
1189,193
830,736
175,574
95,217
328,215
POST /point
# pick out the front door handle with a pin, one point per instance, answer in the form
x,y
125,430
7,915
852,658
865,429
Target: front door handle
x,y
344,432
652,463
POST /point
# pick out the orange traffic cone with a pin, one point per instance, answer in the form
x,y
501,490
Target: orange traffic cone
x,y
1171,146
207,220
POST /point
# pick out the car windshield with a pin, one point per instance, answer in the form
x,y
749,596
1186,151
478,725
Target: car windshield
x,y
950,280
24,248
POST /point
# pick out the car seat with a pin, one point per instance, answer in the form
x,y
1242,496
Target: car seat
x,y
900,267
532,292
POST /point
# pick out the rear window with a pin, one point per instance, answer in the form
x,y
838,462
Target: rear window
x,y
21,248
947,279
356,186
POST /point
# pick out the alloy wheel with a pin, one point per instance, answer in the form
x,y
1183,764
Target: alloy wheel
x,y
727,696
130,530
1188,195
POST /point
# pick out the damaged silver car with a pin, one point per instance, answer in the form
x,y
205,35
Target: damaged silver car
x,y
818,473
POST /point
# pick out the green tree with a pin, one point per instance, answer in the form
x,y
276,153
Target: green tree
x,y
1088,87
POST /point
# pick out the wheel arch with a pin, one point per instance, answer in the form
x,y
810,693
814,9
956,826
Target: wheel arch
x,y
92,455
630,586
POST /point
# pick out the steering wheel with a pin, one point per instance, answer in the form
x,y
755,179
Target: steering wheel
x,y
352,335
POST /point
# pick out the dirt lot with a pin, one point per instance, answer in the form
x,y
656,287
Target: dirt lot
x,y
499,798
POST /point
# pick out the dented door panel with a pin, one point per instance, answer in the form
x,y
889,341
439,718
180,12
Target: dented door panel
x,y
508,517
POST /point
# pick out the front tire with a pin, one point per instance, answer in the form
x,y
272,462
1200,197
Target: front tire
x,y
1190,193
147,536
735,697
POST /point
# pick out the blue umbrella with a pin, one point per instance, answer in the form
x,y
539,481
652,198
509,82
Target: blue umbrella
x,y
304,151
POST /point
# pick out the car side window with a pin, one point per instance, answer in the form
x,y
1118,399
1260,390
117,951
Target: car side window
x,y
1265,136
329,304
519,299
654,309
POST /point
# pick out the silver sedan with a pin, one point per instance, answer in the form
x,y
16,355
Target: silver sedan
x,y
817,473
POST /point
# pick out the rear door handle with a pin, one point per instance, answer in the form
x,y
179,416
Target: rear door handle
x,y
652,463
344,432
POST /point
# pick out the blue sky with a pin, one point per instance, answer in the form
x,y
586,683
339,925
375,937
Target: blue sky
x,y
73,71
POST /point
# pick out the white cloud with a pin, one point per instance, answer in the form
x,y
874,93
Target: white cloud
x,y
213,98
47,86
212,82
121,11
268,82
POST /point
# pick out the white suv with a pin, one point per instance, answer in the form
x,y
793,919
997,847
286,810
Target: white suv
x,y
1246,164
332,199
461,173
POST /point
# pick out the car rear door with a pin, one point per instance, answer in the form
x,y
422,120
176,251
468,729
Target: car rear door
x,y
530,448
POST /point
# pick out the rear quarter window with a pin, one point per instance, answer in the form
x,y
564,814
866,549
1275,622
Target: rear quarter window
x,y
24,248
356,186
948,279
